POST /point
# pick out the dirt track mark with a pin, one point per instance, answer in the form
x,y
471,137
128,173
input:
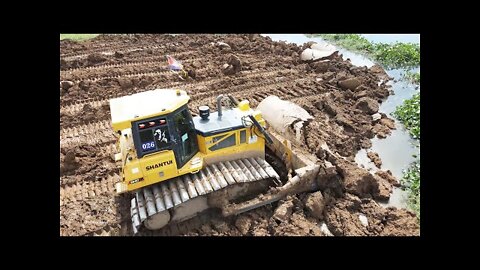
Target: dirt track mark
x,y
84,129
88,189
247,74
77,107
104,138
74,56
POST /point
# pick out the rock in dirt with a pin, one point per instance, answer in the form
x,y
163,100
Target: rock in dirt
x,y
328,105
233,66
379,71
315,204
325,231
381,131
70,162
65,85
119,55
376,117
317,51
320,66
344,218
222,45
375,158
363,220
197,64
400,222
243,224
367,105
95,58
350,83
390,123
387,175
283,211
362,183
383,189
235,62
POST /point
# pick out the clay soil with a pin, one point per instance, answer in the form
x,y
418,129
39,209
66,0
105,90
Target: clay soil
x,y
340,96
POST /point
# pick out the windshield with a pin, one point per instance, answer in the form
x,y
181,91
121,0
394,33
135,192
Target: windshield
x,y
187,146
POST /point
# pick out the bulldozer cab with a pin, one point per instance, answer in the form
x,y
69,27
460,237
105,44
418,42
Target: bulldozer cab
x,y
174,131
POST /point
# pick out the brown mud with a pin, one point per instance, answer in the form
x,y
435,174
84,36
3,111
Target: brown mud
x,y
341,97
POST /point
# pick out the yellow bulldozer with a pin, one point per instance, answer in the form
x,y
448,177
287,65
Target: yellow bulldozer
x,y
177,166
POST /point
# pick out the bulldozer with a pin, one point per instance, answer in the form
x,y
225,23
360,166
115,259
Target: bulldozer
x,y
175,165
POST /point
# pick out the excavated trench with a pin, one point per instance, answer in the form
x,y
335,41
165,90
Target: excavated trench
x,y
116,65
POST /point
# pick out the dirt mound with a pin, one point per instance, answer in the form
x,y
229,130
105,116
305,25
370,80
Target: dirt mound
x,y
233,65
70,163
362,183
315,203
352,216
287,219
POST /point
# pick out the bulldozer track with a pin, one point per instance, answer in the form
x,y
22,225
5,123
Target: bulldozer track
x,y
177,228
161,197
88,189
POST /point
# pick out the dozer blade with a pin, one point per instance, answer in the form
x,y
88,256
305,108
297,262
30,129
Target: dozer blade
x,y
184,197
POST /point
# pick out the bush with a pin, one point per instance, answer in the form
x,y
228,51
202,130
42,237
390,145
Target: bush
x,y
412,77
411,181
409,114
396,55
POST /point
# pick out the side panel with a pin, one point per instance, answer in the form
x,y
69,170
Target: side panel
x,y
253,146
154,168
159,166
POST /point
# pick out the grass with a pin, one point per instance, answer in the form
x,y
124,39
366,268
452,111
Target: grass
x,y
411,181
409,114
77,37
397,55
352,42
412,77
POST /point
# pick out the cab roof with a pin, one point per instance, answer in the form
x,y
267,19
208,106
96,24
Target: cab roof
x,y
144,105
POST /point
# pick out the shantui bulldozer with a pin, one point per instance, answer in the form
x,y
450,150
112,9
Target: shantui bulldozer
x,y
175,166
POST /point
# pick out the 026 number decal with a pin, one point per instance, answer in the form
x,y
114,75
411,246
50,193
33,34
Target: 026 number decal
x,y
148,145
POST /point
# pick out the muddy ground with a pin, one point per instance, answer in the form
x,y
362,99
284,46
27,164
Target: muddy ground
x,y
340,96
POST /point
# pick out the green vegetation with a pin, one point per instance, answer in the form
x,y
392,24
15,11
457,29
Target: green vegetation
x,y
411,181
409,114
412,77
77,37
397,55
352,42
